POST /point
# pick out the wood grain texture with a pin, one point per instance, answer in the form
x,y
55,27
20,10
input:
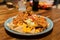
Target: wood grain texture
x,y
52,14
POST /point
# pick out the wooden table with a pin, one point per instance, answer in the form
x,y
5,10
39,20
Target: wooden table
x,y
53,14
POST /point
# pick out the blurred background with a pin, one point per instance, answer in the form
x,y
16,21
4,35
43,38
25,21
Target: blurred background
x,y
56,3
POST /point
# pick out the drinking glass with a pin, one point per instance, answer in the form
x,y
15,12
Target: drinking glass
x,y
21,5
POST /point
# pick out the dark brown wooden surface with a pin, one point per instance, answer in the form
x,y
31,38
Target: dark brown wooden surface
x,y
53,14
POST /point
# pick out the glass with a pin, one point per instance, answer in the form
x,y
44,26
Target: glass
x,y
21,5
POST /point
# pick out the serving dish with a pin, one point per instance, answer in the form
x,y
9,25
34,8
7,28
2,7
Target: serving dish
x,y
50,26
